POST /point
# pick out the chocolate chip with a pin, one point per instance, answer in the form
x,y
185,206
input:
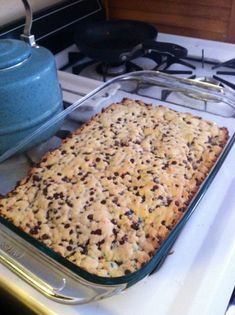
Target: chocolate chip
x,y
90,217
69,203
103,202
58,195
165,166
100,243
84,249
127,272
129,212
135,226
36,178
65,179
156,180
115,232
123,240
45,236
115,200
34,230
168,202
48,213
97,232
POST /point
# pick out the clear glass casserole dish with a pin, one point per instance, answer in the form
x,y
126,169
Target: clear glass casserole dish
x,y
50,273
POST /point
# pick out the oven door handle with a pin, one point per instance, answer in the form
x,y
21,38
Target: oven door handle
x,y
46,275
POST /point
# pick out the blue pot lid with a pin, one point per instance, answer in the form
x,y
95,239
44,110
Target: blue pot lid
x,y
13,52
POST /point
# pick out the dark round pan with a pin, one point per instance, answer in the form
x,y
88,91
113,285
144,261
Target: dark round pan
x,y
107,40
120,40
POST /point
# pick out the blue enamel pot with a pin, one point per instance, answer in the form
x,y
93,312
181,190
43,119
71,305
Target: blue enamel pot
x,y
30,94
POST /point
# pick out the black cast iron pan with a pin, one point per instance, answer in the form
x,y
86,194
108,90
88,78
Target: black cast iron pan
x,y
117,41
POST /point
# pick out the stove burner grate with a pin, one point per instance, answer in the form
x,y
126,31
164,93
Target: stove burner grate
x,y
191,67
162,62
230,64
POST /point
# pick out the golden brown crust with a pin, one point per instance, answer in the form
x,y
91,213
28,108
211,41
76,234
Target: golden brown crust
x,y
115,189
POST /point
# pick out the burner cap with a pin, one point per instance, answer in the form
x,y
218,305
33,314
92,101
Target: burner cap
x,y
111,70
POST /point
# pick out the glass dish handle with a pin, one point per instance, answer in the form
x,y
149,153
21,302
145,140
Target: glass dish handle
x,y
46,276
204,90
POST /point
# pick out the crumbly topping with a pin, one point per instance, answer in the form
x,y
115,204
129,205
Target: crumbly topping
x,y
114,190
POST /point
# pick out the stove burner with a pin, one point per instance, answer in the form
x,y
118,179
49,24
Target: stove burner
x,y
191,67
163,61
112,70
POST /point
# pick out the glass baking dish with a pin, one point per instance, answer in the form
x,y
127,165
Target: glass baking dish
x,y
50,273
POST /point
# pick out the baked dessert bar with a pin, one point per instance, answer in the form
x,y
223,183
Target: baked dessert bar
x,y
115,189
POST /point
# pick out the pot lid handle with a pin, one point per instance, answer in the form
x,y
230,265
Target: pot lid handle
x,y
26,36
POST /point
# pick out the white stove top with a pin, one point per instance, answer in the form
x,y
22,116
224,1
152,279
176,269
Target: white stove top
x,y
201,54
199,276
212,49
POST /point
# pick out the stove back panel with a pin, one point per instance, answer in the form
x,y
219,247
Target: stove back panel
x,y
54,27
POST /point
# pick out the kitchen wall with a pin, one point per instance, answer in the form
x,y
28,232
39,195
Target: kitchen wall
x,y
210,19
11,10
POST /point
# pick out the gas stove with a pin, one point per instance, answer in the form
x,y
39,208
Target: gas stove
x,y
201,62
